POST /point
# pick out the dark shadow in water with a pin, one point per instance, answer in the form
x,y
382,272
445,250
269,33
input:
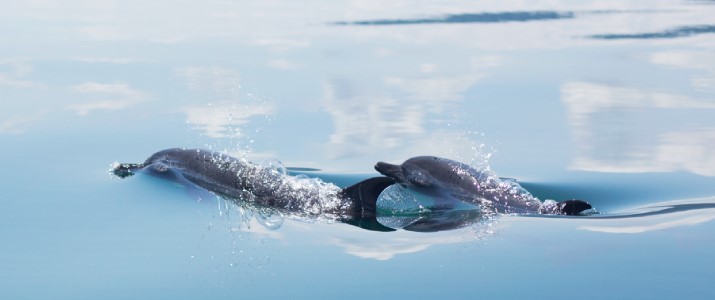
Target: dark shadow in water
x,y
677,32
502,17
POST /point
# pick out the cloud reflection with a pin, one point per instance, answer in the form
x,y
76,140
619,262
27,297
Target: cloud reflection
x,y
231,113
112,96
608,139
15,125
433,90
281,44
282,64
400,122
697,60
378,251
224,120
217,79
366,123
405,243
106,60
15,76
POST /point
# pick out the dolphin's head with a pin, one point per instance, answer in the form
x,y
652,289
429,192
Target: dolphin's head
x,y
417,171
393,171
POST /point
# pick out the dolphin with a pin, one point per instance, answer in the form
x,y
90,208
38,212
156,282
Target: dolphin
x,y
448,181
237,179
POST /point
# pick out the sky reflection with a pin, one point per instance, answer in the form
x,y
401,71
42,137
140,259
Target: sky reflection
x,y
109,96
347,96
606,125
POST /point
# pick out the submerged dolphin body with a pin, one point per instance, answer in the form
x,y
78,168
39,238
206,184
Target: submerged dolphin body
x,y
262,186
448,181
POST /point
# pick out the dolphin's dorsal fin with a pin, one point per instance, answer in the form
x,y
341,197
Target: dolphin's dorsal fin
x,y
364,196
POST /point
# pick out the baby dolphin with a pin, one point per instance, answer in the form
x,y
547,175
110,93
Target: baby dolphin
x,y
448,181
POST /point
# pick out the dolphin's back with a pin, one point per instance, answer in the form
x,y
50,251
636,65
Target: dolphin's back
x,y
210,170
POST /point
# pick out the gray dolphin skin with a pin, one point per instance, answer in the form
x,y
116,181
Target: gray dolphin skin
x,y
448,181
239,179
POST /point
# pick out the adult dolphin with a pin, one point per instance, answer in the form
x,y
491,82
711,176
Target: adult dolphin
x,y
448,181
241,180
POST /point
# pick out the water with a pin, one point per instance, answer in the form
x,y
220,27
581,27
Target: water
x,y
608,101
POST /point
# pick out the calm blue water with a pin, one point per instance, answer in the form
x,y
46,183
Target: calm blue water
x,y
608,101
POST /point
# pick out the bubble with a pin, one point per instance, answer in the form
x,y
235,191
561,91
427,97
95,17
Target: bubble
x,y
269,219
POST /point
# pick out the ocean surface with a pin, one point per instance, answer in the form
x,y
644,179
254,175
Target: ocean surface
x,y
612,102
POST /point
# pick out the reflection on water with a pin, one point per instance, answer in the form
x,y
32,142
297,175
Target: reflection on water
x,y
611,129
678,32
224,120
106,96
14,73
215,81
519,16
17,125
391,247
703,62
394,128
656,217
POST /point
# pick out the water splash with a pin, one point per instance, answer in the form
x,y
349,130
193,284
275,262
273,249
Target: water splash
x,y
273,194
274,165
